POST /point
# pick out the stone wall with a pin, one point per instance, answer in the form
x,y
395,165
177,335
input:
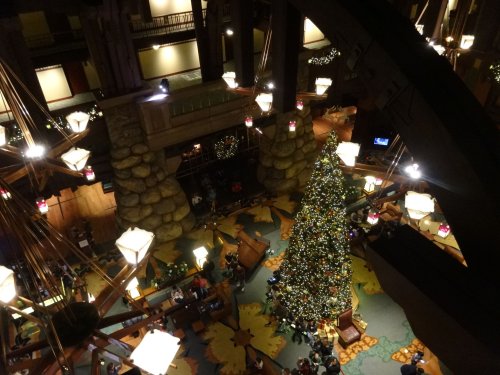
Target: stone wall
x,y
286,159
146,197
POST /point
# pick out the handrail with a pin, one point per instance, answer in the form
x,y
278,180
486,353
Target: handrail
x,y
166,24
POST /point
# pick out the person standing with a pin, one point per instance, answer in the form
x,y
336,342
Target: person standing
x,y
240,277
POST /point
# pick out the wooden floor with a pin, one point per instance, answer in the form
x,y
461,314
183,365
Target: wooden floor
x,y
87,202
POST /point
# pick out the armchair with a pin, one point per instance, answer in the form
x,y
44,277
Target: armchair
x,y
346,330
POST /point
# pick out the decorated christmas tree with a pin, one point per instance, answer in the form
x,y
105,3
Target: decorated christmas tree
x,y
316,270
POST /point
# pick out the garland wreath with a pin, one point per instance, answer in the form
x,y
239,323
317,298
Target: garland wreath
x,y
226,147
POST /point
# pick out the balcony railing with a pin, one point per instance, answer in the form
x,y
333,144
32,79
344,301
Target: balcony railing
x,y
170,23
47,40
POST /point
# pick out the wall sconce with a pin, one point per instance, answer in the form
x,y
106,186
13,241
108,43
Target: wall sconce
x,y
418,205
76,158
322,84
230,78
248,121
265,101
5,194
372,217
292,124
78,121
299,104
42,205
134,244
7,284
200,254
89,173
348,151
444,230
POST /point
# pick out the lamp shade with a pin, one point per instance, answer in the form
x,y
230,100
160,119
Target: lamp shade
x,y
467,41
42,205
200,254
292,124
347,151
418,205
299,104
444,230
134,244
156,352
89,173
369,184
78,121
7,284
265,101
322,84
230,78
248,121
76,158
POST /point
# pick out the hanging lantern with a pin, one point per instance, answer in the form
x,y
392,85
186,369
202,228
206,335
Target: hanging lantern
x,y
3,137
438,48
230,78
369,184
413,171
418,205
248,121
292,124
35,151
347,151
444,230
89,173
372,217
420,28
322,84
132,288
299,104
76,158
378,181
78,121
7,284
467,41
155,352
134,244
200,254
265,101
42,205
5,194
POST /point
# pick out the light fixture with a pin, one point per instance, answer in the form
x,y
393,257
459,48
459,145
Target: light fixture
x,y
270,85
132,288
444,230
164,85
156,47
420,28
299,104
322,84
378,181
449,39
78,121
347,151
35,151
42,205
156,352
372,217
89,173
229,32
369,184
230,78
3,137
467,41
265,101
292,124
418,205
134,244
5,194
200,254
248,121
438,48
413,171
76,158
7,285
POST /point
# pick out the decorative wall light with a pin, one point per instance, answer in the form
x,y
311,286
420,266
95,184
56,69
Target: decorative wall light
x,y
7,284
76,158
42,205
200,254
89,173
5,194
3,137
134,244
248,121
369,184
418,205
444,230
292,124
372,217
467,41
230,78
156,352
322,84
299,104
78,121
265,101
348,151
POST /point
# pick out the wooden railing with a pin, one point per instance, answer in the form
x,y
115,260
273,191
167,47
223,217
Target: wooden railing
x,y
170,23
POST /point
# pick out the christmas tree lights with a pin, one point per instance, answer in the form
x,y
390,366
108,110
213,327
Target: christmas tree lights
x,y
316,272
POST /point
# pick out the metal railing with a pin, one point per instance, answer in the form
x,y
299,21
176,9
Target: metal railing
x,y
170,23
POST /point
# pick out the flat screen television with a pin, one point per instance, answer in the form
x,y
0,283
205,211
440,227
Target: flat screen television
x,y
381,141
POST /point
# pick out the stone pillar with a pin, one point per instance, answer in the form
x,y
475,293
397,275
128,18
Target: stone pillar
x,y
286,159
146,196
